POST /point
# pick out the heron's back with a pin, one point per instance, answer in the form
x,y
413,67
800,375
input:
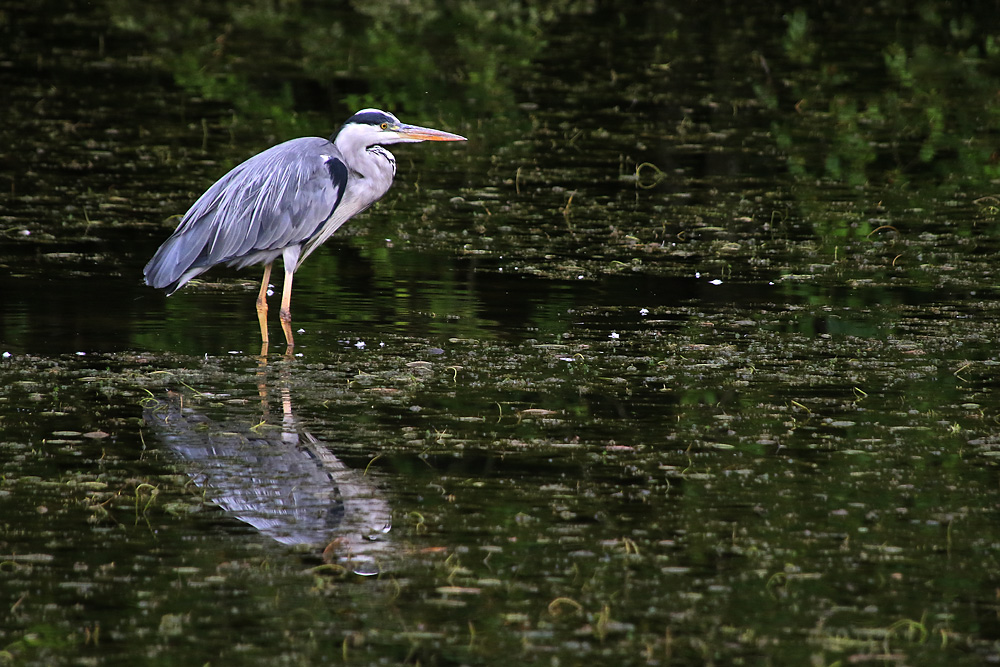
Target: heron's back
x,y
276,199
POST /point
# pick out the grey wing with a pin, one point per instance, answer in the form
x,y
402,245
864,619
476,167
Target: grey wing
x,y
274,200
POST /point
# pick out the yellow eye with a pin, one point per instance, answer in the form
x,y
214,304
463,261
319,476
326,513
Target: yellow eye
x,y
384,126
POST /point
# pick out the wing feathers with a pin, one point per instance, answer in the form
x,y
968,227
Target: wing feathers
x,y
276,199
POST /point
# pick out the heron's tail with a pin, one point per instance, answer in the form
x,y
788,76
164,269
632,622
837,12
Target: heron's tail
x,y
177,261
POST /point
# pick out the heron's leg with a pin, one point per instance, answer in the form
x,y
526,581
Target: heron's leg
x,y
286,307
262,305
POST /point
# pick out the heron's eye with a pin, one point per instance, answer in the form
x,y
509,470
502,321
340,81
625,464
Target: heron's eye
x,y
384,126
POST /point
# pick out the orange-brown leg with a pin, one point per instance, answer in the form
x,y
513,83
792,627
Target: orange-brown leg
x,y
262,307
286,308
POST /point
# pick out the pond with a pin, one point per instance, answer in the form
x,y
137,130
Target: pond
x,y
688,356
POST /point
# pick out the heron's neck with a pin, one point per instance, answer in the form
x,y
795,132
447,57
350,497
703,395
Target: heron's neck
x,y
366,161
383,160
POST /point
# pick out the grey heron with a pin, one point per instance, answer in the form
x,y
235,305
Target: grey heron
x,y
285,202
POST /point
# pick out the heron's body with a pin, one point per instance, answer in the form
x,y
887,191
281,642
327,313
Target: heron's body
x,y
285,202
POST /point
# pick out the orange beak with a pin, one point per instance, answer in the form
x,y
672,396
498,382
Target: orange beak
x,y
417,133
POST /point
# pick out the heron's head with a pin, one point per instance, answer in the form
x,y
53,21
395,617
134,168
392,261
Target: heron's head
x,y
372,127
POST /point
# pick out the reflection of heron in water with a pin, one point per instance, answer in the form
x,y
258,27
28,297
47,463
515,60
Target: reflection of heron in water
x,y
282,481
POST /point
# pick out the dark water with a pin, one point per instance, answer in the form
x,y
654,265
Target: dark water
x,y
687,357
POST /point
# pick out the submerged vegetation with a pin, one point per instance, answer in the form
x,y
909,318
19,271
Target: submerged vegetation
x,y
629,494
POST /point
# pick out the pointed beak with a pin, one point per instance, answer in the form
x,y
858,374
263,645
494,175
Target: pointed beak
x,y
417,133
